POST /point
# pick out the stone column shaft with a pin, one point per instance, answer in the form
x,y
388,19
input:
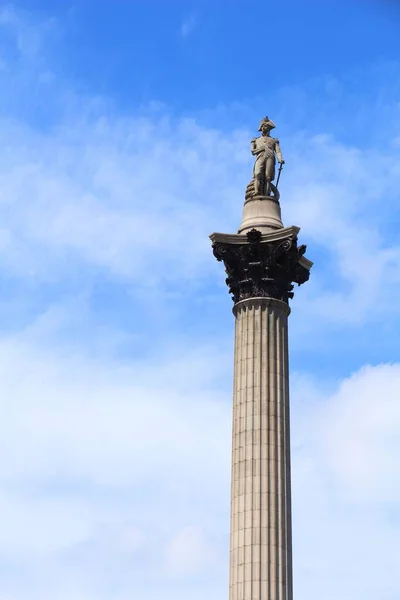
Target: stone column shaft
x,y
261,269
261,544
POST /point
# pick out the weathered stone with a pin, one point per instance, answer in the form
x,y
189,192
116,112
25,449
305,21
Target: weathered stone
x,y
261,538
258,268
266,149
262,262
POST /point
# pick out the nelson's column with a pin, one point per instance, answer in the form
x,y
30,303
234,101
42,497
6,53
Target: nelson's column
x,y
262,262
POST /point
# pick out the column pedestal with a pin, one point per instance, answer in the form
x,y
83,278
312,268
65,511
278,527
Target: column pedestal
x,y
262,212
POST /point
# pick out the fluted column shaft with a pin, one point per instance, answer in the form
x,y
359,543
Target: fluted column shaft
x,y
261,539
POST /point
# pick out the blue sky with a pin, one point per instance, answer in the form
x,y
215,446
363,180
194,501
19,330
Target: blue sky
x,y
125,130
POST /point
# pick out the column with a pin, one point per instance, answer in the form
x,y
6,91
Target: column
x,y
260,551
261,270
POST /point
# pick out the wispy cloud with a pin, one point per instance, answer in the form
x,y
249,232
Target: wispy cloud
x,y
189,25
115,429
91,451
76,487
345,453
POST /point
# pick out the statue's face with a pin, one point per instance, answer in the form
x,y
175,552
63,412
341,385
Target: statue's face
x,y
265,129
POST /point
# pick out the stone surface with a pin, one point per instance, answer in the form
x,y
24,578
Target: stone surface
x,y
261,208
260,543
261,269
262,212
262,265
266,149
263,262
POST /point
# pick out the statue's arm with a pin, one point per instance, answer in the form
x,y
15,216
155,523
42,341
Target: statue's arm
x,y
253,147
278,152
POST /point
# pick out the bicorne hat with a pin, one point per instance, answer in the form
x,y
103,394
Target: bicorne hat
x,y
266,121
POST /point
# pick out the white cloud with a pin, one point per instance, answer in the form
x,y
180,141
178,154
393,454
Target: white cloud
x,y
137,197
103,194
115,473
119,471
102,467
345,477
126,196
345,212
365,419
188,552
145,415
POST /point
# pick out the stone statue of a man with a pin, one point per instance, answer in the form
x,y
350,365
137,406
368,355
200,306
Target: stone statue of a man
x,y
265,148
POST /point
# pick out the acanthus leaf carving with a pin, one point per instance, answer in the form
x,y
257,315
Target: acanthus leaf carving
x,y
262,269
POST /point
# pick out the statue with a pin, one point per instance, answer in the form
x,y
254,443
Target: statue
x,y
265,148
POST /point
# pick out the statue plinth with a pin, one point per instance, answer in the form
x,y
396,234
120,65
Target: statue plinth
x,y
262,213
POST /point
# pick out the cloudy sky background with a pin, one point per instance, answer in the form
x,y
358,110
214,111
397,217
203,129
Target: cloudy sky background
x,y
124,130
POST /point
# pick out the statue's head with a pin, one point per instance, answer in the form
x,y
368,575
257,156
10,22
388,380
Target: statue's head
x,y
266,125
